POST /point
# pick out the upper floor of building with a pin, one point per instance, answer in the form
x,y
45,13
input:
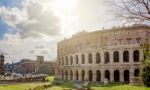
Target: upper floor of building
x,y
124,36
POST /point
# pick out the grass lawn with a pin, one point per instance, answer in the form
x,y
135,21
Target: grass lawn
x,y
70,85
21,86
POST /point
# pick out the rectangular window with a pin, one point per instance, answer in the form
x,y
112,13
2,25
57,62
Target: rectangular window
x,y
138,40
129,41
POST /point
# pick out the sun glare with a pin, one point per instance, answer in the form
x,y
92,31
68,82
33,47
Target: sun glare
x,y
64,10
64,5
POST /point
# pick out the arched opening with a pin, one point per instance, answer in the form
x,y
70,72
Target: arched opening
x,y
77,75
66,75
76,59
116,76
71,60
83,74
98,75
98,58
126,56
107,75
66,60
106,57
136,56
90,57
83,58
90,75
136,73
71,75
126,76
116,56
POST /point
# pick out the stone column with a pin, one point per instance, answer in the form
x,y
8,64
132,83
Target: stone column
x,y
102,57
102,75
74,60
121,56
94,58
68,60
131,74
64,61
69,75
111,75
141,55
86,58
74,76
111,57
131,56
80,59
86,75
121,76
94,76
79,75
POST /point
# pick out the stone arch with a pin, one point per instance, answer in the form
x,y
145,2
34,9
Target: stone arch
x,y
98,75
126,76
98,58
90,75
116,56
66,60
76,58
76,75
107,74
116,76
83,58
106,57
90,58
71,60
136,73
126,56
82,75
71,75
136,56
66,75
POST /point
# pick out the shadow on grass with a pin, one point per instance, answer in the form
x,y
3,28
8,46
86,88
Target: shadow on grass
x,y
65,84
71,84
108,85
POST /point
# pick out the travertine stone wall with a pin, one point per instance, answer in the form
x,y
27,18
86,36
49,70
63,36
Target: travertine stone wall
x,y
121,67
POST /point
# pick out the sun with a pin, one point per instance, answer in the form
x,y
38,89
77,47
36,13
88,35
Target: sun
x,y
64,5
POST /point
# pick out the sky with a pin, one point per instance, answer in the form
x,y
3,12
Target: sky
x,y
34,27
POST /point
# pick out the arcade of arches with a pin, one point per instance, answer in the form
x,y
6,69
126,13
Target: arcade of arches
x,y
99,75
117,57
116,66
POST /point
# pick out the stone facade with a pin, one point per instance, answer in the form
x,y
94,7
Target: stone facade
x,y
36,66
112,54
1,64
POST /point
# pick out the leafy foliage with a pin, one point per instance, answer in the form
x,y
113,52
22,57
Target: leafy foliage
x,y
145,74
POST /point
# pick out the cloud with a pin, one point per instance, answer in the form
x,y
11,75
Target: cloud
x,y
39,46
16,48
34,29
33,19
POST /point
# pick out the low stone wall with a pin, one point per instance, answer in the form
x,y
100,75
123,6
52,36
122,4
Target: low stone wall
x,y
22,80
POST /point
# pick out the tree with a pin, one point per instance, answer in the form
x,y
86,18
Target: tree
x,y
131,10
145,74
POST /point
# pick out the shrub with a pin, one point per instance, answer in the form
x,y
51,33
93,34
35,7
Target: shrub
x,y
145,75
